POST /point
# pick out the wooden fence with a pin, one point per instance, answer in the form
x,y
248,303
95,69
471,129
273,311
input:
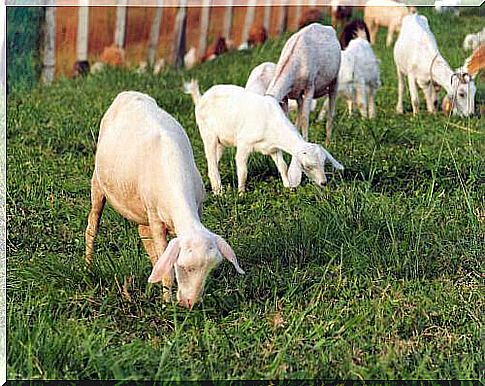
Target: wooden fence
x,y
150,33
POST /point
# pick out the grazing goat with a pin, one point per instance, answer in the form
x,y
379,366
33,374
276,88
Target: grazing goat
x,y
308,68
259,80
229,115
217,48
384,13
472,41
113,56
358,78
145,169
352,30
257,35
312,15
416,56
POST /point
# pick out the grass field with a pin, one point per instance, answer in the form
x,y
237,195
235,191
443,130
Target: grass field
x,y
378,275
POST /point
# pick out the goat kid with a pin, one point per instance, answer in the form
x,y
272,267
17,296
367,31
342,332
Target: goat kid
x,y
229,115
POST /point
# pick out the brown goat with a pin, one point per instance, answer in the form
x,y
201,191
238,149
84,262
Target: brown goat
x,y
113,56
257,35
216,49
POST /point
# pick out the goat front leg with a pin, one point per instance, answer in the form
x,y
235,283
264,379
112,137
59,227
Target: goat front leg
x,y
400,91
213,154
332,99
154,238
390,35
98,201
278,159
242,155
147,240
413,91
323,110
428,95
305,111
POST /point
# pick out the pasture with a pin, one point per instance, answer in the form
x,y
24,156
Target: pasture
x,y
378,275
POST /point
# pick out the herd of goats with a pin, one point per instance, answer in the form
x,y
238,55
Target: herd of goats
x,y
144,163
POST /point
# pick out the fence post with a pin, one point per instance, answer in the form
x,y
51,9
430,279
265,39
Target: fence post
x,y
204,27
82,31
249,19
283,17
226,31
120,23
178,49
267,15
155,34
49,60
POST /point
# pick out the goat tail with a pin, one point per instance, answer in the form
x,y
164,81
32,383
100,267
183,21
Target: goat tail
x,y
192,88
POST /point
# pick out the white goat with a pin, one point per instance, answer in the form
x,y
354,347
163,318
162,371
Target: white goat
x,y
145,168
472,41
442,6
229,115
259,80
384,13
416,55
308,68
358,78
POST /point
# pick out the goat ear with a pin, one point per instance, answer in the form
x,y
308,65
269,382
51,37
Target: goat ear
x,y
228,253
294,173
337,165
165,262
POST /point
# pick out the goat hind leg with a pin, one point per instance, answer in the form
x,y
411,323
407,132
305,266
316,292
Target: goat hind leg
x,y
400,91
371,102
332,98
212,154
98,201
242,155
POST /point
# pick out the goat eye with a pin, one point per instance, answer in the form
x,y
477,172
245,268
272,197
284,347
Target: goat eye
x,y
461,95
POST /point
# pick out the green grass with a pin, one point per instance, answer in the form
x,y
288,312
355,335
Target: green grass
x,y
378,275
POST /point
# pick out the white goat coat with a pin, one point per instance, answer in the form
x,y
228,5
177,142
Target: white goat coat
x,y
260,78
240,118
310,58
359,68
144,162
308,68
230,115
416,47
416,55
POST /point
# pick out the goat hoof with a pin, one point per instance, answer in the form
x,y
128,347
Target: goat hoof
x,y
167,296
